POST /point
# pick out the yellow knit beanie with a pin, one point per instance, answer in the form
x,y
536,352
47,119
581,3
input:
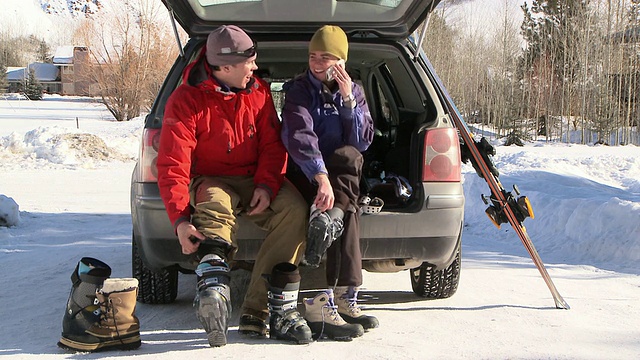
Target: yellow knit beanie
x,y
330,39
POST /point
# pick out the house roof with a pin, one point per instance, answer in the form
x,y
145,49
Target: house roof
x,y
63,55
43,72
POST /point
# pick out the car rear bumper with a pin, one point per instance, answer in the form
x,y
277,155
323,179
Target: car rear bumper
x,y
430,235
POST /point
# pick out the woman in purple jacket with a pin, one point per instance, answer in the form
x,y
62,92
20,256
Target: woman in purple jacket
x,y
326,125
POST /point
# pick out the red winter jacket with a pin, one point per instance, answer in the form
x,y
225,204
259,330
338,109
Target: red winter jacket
x,y
209,131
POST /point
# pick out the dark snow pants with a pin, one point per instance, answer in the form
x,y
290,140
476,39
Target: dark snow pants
x,y
344,257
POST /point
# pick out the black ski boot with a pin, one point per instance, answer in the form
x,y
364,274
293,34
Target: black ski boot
x,y
83,308
285,322
213,298
324,228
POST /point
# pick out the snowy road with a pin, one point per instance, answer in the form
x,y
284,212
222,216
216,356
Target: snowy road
x,y
502,308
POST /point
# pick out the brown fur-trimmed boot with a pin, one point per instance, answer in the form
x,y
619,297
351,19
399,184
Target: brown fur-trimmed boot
x,y
118,327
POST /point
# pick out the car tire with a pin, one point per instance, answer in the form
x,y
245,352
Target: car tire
x,y
430,283
154,287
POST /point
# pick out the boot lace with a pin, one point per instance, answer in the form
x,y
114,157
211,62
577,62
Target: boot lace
x,y
354,308
106,308
331,312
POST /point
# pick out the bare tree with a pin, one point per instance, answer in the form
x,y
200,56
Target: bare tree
x,y
440,45
20,50
577,78
459,59
503,95
132,49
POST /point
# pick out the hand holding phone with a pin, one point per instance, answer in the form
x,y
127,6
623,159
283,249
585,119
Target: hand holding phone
x,y
331,70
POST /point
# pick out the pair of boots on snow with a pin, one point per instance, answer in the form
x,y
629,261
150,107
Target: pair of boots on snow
x,y
100,312
335,314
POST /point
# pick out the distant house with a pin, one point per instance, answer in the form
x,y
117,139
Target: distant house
x,y
68,74
75,66
47,74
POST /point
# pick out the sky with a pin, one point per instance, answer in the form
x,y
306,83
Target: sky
x,y
66,163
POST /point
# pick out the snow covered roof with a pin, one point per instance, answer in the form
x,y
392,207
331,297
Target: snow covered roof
x,y
44,72
16,73
64,55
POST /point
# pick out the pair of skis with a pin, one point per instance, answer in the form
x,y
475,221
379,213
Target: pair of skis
x,y
504,207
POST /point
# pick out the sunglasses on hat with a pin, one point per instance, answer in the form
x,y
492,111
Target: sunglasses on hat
x,y
250,52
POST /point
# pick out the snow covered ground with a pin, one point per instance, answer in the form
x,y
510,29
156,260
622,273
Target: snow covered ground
x,y
67,164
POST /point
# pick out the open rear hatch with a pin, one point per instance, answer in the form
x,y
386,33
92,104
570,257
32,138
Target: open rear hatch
x,y
392,19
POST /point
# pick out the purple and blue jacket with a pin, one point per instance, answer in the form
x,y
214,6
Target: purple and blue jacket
x,y
316,122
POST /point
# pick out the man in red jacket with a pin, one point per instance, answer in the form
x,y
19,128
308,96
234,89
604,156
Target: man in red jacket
x,y
220,156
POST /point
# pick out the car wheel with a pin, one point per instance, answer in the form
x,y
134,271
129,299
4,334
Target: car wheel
x,y
154,287
436,284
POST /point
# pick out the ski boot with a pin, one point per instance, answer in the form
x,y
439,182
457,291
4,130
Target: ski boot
x,y
213,298
324,228
82,309
285,322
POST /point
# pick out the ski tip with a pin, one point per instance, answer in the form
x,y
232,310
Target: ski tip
x,y
561,304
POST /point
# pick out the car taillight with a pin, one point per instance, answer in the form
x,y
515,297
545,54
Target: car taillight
x,y
441,156
149,155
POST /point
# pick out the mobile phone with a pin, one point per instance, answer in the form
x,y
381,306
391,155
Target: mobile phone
x,y
331,70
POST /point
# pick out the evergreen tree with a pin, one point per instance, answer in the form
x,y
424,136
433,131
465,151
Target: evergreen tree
x,y
4,83
33,88
43,53
632,65
552,28
556,59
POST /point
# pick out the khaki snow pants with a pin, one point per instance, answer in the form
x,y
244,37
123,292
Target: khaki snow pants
x,y
218,200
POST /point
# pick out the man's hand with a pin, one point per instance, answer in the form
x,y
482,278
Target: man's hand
x,y
324,197
186,232
259,202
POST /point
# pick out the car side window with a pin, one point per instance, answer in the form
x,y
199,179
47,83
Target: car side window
x,y
385,111
278,95
386,118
